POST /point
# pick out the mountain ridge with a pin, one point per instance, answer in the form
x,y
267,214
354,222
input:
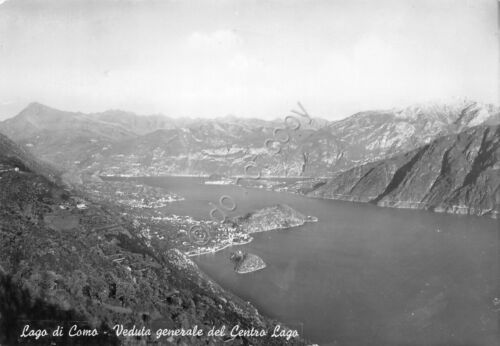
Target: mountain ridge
x,y
457,173
122,143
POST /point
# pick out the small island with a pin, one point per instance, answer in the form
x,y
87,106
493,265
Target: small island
x,y
246,262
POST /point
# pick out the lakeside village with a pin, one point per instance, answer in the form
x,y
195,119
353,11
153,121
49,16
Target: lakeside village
x,y
148,206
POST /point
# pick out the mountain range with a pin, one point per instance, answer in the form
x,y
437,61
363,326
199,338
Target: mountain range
x,y
123,143
457,173
369,156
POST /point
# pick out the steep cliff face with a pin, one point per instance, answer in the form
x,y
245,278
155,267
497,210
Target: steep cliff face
x,y
457,173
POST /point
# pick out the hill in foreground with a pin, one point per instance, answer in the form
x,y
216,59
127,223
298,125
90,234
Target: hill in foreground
x,y
64,258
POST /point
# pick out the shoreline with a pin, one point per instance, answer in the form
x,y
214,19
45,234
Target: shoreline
x,y
458,210
309,219
215,250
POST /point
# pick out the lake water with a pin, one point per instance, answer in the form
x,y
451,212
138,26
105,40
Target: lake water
x,y
362,275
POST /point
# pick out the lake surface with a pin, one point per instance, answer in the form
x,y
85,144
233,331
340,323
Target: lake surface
x,y
362,275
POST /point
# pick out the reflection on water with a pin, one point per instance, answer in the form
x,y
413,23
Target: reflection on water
x,y
362,275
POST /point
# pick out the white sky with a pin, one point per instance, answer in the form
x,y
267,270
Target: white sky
x,y
247,58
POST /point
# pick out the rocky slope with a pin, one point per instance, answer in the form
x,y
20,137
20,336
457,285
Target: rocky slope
x,y
456,173
122,143
67,138
372,135
65,258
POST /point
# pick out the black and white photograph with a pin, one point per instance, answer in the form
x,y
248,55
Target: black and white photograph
x,y
250,172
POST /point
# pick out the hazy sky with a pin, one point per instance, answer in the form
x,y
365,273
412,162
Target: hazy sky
x,y
247,58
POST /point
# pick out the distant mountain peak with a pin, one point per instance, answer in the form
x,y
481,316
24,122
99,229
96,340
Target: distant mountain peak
x,y
34,107
117,111
35,104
